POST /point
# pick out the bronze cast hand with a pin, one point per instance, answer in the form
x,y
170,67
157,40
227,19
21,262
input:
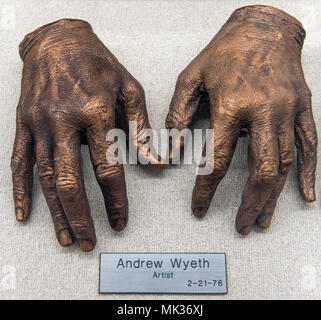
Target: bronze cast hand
x,y
73,91
251,79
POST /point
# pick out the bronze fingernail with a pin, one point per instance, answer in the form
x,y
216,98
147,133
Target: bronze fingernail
x,y
65,238
86,245
19,214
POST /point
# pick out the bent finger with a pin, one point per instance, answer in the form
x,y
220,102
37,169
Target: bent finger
x,y
132,116
184,106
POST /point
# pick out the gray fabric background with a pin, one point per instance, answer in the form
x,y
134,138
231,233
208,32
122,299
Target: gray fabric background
x,y
155,40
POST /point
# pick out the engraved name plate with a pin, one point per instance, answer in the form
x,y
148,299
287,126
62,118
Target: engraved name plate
x,y
172,273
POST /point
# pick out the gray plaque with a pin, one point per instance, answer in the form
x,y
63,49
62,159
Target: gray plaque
x,y
173,273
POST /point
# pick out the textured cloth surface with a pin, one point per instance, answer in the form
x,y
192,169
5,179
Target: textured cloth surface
x,y
155,40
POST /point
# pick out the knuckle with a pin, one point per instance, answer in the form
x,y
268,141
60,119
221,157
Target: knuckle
x,y
189,78
287,97
133,91
266,175
313,144
15,164
184,80
105,172
67,183
45,171
100,111
220,168
33,114
293,97
18,165
306,94
285,163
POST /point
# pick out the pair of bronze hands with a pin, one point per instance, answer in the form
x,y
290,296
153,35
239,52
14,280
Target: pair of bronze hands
x,y
249,78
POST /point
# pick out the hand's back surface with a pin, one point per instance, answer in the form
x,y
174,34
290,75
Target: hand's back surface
x,y
252,78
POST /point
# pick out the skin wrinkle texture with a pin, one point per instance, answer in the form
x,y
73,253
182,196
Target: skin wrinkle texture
x,y
251,82
73,90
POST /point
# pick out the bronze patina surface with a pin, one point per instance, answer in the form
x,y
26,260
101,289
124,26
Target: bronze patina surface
x,y
73,91
250,79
